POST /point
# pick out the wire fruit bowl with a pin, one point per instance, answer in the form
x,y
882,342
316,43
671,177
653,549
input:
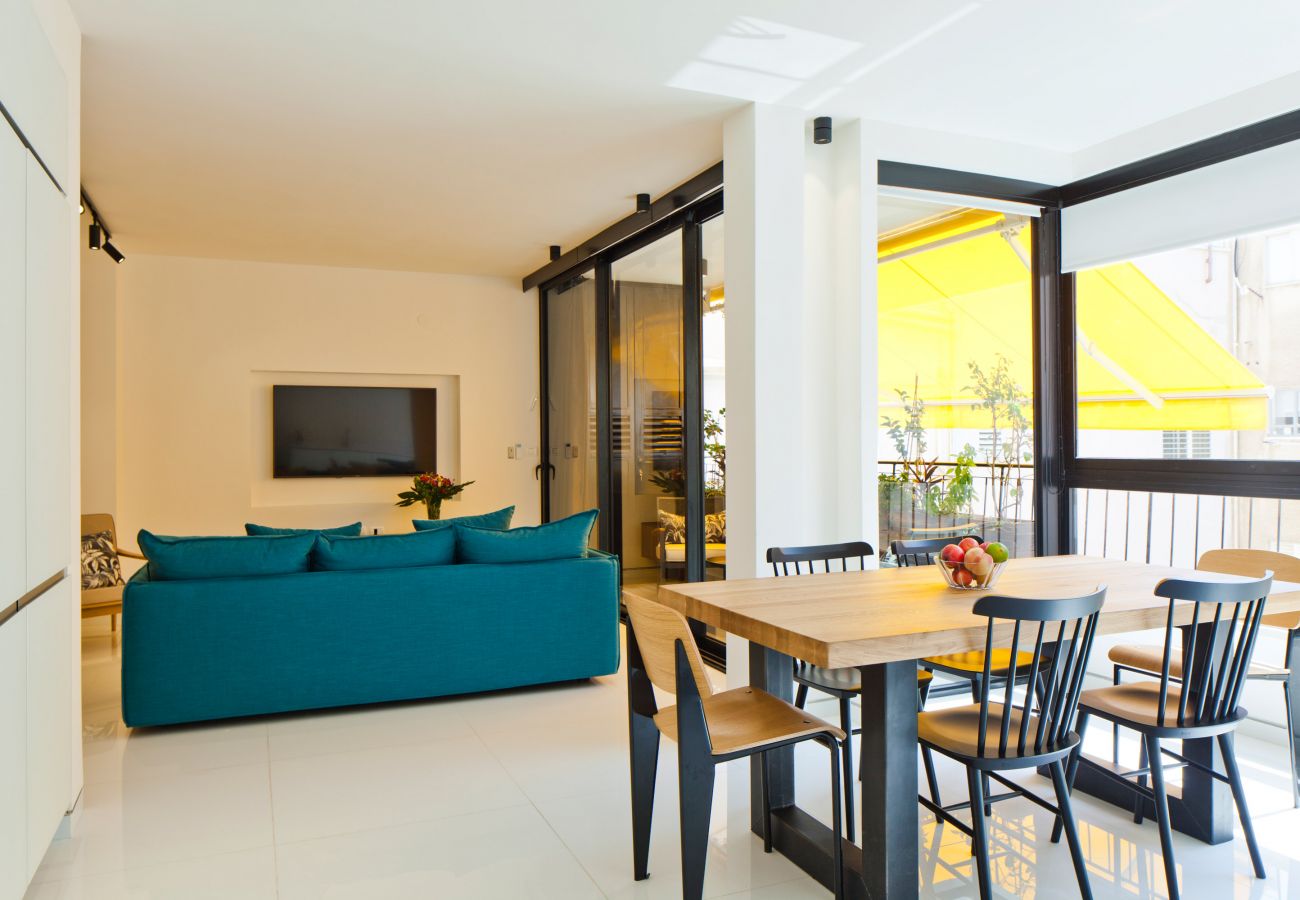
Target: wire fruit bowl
x,y
960,578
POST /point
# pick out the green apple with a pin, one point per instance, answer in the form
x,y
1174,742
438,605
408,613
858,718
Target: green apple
x,y
998,552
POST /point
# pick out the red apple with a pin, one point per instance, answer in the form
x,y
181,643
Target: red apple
x,y
952,554
963,578
967,543
984,546
982,567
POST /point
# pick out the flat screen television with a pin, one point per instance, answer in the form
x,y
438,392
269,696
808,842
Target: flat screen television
x,y
338,432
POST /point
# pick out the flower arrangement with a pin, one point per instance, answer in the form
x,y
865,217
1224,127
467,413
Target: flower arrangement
x,y
431,489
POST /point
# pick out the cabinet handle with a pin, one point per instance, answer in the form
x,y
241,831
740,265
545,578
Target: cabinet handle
x,y
31,596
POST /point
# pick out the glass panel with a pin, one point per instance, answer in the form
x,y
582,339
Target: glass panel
x,y
1190,353
955,303
714,343
571,374
646,387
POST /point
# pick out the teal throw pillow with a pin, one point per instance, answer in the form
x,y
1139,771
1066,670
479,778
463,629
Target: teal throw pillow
x,y
564,539
493,521
352,530
183,558
385,551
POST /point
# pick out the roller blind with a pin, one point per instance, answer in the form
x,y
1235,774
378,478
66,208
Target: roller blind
x,y
1242,196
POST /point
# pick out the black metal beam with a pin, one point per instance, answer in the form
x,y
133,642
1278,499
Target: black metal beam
x,y
690,190
1275,479
1220,148
951,181
1053,355
693,396
605,490
543,469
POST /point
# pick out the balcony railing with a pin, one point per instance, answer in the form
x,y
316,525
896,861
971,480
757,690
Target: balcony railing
x,y
996,503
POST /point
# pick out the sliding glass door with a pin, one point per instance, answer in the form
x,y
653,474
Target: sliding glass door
x,y
634,397
570,325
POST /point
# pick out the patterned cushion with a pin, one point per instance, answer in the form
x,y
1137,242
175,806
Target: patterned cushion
x,y
674,527
100,567
715,528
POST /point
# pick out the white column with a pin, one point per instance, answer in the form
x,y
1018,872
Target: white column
x,y
801,331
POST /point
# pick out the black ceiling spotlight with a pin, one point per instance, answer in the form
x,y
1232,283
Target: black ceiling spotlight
x,y
113,253
822,130
96,236
555,252
643,203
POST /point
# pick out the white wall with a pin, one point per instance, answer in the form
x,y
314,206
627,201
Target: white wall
x,y
201,341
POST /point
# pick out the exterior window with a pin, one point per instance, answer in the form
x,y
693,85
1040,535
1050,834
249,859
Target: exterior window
x,y
1284,413
1282,258
1185,445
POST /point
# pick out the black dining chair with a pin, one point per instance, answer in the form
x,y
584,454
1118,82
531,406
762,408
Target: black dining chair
x,y
1146,660
972,666
842,684
1203,704
1000,733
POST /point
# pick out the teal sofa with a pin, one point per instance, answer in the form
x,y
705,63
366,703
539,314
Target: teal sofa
x,y
214,648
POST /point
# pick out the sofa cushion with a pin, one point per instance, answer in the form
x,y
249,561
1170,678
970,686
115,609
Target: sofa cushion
x,y
563,539
493,521
385,551
352,530
180,558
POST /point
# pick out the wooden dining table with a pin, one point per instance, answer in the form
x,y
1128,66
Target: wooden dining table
x,y
882,622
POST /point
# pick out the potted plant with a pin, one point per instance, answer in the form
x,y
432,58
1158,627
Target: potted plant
x,y
431,489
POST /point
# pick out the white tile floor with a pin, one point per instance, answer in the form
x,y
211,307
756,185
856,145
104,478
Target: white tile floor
x,y
522,795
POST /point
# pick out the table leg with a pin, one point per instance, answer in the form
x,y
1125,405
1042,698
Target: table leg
x,y
890,816
772,672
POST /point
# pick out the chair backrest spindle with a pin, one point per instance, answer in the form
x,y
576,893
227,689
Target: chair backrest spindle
x,y
1077,619
1217,649
922,552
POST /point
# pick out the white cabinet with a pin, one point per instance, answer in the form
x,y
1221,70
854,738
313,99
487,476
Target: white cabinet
x,y
33,86
13,367
13,758
50,735
48,312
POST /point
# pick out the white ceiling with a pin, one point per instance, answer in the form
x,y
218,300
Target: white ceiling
x,y
466,137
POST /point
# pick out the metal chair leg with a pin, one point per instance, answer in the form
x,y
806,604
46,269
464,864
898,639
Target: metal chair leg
x,y
764,780
1227,748
980,840
1114,729
695,801
1071,831
927,758
1152,747
846,723
1290,744
1071,769
1139,807
645,760
801,697
837,850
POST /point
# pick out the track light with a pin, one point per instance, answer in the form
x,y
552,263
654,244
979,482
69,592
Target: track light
x,y
643,203
96,236
822,130
113,253
555,252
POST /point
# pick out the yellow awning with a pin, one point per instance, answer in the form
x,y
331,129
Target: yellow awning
x,y
1143,362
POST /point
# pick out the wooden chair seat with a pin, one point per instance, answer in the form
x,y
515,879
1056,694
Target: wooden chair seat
x,y
841,680
1137,705
747,719
973,662
1152,659
100,598
955,731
